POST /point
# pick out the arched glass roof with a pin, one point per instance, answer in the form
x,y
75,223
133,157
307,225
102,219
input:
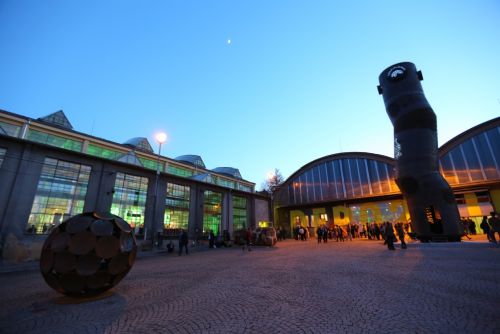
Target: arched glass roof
x,y
473,156
339,177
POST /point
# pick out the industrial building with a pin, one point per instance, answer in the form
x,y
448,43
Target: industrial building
x,y
49,172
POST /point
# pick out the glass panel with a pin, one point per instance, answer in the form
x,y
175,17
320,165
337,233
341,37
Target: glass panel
x,y
365,185
151,164
486,157
475,170
302,189
176,215
356,184
212,208
384,177
129,199
99,151
332,187
347,177
448,170
60,194
337,179
459,163
318,191
239,213
3,151
225,183
53,140
325,183
179,171
374,178
9,129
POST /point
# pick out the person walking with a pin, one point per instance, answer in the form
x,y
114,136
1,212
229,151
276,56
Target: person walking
x,y
248,240
183,241
401,234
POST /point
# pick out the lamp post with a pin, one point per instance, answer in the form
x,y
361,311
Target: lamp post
x,y
160,137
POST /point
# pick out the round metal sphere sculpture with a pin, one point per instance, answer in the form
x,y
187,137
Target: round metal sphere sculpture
x,y
88,254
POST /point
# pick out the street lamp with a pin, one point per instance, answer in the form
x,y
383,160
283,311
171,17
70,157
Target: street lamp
x,y
160,137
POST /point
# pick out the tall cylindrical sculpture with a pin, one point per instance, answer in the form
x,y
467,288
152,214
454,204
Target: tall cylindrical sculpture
x,y
431,202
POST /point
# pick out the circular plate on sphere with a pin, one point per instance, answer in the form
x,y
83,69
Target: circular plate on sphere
x,y
98,280
78,223
82,243
60,242
64,262
46,260
126,242
123,225
107,247
72,283
131,258
103,215
118,264
87,264
102,228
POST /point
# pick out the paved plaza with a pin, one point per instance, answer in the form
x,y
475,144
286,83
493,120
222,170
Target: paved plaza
x,y
295,287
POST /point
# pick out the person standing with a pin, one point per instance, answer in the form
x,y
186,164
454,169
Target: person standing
x,y
248,240
494,226
183,241
401,234
389,235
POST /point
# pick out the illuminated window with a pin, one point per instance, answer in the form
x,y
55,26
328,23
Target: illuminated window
x,y
53,140
151,164
99,151
179,171
239,213
60,194
9,129
244,187
129,198
2,155
212,208
176,214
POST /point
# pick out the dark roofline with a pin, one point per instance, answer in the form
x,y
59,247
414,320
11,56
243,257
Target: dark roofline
x,y
30,119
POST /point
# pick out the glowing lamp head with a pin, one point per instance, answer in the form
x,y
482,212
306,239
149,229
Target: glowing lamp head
x,y
161,137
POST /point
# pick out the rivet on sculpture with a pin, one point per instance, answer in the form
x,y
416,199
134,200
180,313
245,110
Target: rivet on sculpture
x,y
433,211
88,254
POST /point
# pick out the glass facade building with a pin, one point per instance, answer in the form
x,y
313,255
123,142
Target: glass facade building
x,y
239,213
176,214
60,194
360,188
212,211
129,198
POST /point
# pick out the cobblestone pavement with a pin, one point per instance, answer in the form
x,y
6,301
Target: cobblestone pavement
x,y
296,287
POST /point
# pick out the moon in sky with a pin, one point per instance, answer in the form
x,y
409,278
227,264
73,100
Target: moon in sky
x,y
229,41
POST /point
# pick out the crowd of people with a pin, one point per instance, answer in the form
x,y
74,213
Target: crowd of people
x,y
348,232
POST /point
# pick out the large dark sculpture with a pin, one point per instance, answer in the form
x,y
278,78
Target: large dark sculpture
x,y
88,254
431,203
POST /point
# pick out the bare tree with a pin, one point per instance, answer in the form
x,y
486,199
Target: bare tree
x,y
273,181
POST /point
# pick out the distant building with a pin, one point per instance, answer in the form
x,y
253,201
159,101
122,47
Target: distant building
x,y
359,188
49,172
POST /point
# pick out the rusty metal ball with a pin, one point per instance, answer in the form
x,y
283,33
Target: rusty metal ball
x,y
88,254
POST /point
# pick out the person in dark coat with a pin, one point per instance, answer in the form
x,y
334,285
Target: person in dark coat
x,y
183,241
389,236
401,234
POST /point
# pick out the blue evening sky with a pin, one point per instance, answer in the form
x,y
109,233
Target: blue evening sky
x,y
296,82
